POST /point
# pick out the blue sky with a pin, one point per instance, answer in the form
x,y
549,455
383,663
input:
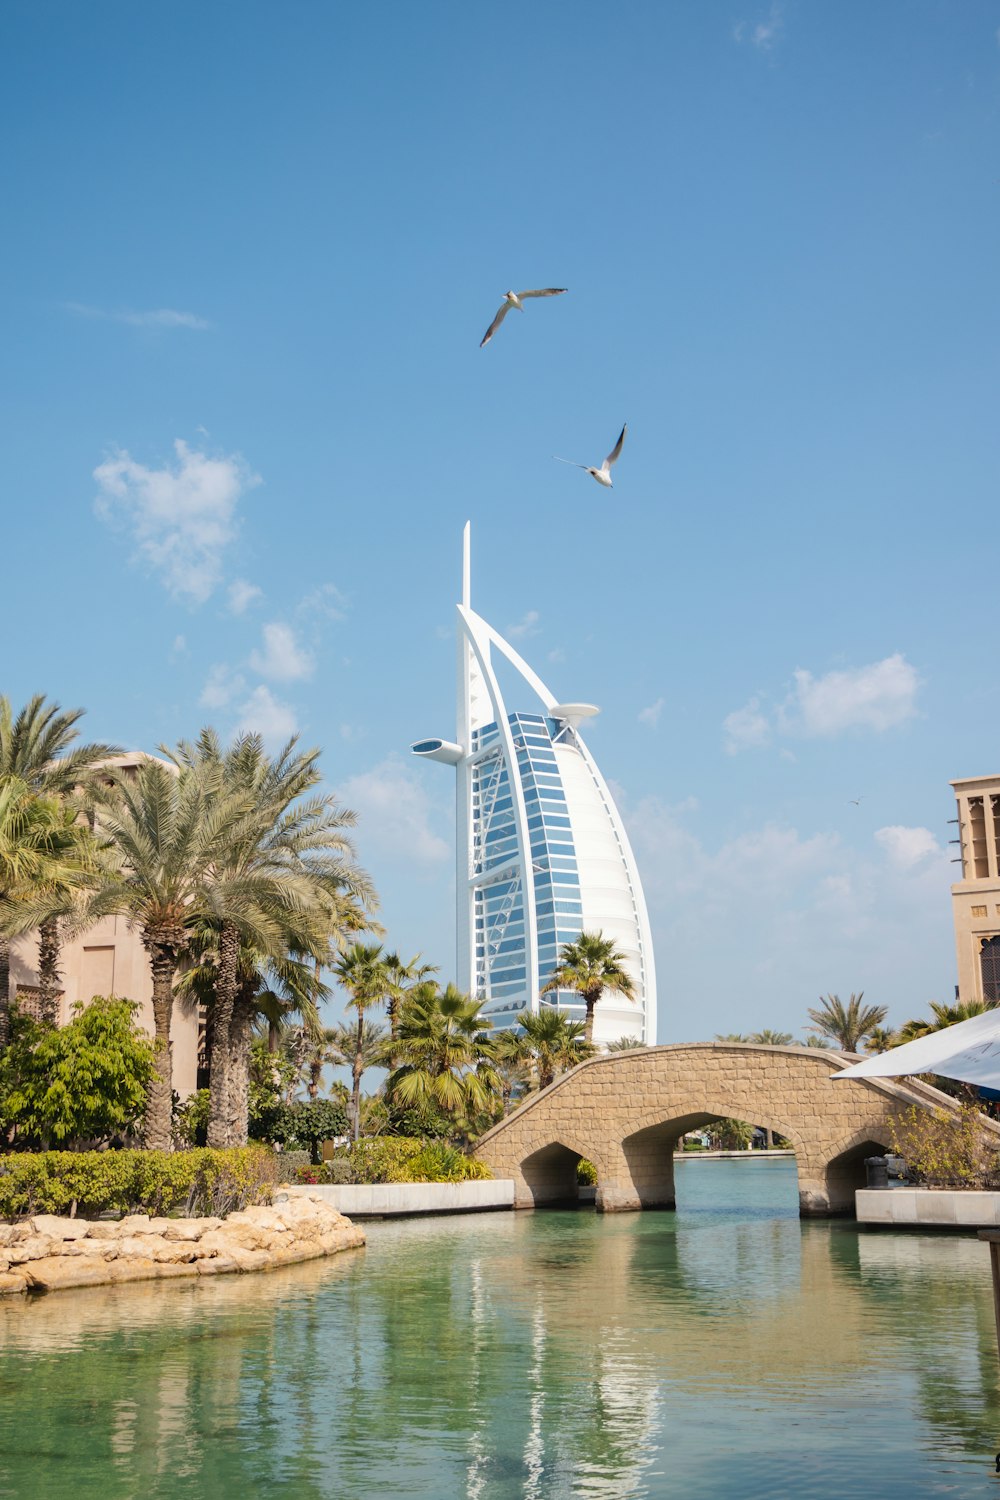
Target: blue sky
x,y
249,254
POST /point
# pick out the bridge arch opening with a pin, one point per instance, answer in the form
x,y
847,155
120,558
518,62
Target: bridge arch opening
x,y
550,1176
845,1173
649,1154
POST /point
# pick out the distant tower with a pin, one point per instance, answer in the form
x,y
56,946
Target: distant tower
x,y
976,897
542,851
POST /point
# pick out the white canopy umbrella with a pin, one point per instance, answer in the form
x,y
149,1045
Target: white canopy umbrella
x,y
968,1051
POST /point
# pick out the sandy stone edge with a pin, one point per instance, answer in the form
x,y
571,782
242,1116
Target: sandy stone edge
x,y
317,1234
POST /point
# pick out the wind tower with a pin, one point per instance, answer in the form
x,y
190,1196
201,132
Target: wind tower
x,y
542,853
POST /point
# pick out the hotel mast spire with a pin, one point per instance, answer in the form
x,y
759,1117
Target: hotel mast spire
x,y
541,851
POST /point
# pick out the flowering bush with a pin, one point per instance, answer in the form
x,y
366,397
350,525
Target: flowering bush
x,y
941,1150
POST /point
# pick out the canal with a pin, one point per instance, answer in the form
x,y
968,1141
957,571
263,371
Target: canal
x,y
725,1350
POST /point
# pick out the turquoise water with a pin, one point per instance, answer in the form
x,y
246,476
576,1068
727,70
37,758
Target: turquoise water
x,y
723,1351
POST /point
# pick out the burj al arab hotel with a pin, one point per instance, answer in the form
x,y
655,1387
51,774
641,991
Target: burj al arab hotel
x,y
542,851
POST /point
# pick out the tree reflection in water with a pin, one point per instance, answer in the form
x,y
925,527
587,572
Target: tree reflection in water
x,y
523,1357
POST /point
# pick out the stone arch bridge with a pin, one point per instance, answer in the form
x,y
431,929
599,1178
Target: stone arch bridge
x,y
625,1112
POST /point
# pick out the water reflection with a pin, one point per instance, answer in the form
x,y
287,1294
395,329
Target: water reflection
x,y
727,1349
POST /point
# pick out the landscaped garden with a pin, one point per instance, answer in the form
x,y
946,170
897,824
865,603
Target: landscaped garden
x,y
237,873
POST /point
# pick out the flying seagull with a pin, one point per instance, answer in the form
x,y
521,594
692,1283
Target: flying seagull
x,y
603,474
854,801
515,299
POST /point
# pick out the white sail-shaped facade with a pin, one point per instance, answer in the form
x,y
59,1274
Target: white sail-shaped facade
x,y
542,851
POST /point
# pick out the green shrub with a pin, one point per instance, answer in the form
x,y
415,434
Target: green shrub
x,y
396,1159
191,1119
586,1173
338,1171
85,1082
729,1135
288,1163
303,1125
439,1162
156,1182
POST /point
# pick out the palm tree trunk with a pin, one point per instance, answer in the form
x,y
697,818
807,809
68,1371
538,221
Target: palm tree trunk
x,y
157,1131
238,1111
272,1038
357,1068
48,969
220,1122
590,999
4,992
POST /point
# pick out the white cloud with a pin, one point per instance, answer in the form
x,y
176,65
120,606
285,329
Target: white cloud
x,y
764,34
907,847
221,687
525,627
158,317
651,716
395,814
282,659
241,595
877,697
756,927
746,728
264,714
179,648
327,601
182,516
556,655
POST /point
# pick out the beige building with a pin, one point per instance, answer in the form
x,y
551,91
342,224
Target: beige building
x,y
109,959
976,897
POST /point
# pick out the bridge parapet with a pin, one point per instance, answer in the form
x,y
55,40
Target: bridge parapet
x,y
625,1112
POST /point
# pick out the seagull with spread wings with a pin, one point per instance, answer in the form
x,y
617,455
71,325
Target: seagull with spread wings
x,y
515,299
603,474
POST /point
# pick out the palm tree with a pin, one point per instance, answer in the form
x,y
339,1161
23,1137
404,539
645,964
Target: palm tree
x,y
40,851
555,1042
942,1016
322,1047
362,970
732,1036
512,1057
846,1025
401,978
444,1052
625,1044
168,832
274,887
767,1038
590,966
362,1051
880,1039
37,745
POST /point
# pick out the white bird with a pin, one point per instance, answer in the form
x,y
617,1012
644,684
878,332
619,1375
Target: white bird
x,y
514,299
854,801
603,474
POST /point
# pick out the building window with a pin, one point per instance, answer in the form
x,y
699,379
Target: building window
x,y
989,965
979,911
977,821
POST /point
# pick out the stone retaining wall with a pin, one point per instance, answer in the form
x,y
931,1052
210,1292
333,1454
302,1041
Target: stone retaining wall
x,y
389,1200
46,1252
930,1207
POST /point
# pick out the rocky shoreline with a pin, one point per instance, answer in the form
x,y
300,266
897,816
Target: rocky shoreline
x,y
47,1253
